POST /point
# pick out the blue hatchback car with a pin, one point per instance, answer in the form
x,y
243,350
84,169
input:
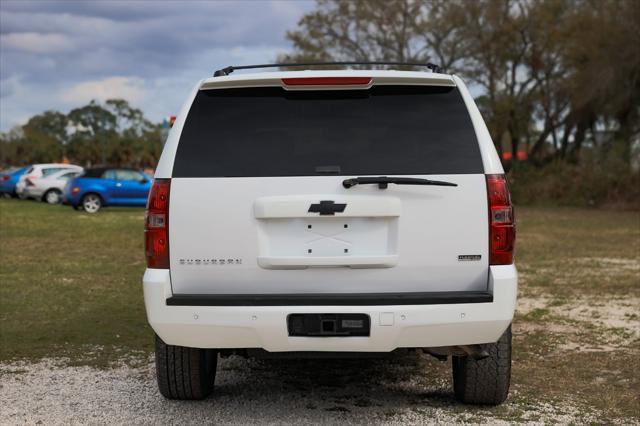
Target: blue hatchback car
x,y
9,179
101,187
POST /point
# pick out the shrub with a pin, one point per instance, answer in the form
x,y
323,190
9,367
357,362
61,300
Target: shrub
x,y
599,181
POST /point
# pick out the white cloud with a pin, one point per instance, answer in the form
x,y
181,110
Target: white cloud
x,y
129,88
33,42
62,54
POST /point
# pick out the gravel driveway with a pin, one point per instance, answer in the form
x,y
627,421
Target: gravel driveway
x,y
407,389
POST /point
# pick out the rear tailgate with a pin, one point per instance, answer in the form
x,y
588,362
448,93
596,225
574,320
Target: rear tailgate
x,y
258,207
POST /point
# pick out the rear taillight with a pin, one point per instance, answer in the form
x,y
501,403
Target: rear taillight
x,y
156,225
29,182
502,229
6,177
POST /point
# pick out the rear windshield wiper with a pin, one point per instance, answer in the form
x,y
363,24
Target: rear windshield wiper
x,y
384,181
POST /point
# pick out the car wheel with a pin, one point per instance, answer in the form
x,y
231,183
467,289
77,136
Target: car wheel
x,y
484,381
185,373
91,203
52,197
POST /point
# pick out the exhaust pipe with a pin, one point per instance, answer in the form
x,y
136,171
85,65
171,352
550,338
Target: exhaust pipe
x,y
474,351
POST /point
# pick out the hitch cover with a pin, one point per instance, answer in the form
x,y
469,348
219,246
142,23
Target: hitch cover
x,y
329,325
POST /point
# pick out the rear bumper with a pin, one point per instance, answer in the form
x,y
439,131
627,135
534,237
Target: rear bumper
x,y
392,326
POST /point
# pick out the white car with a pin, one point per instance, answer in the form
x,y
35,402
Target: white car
x,y
50,187
30,186
326,212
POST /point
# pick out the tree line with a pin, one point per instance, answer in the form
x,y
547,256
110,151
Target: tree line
x,y
112,132
556,80
552,77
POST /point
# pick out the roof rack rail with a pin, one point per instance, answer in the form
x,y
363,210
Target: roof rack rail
x,y
228,70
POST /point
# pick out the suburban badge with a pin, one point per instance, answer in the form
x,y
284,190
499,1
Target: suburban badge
x,y
469,257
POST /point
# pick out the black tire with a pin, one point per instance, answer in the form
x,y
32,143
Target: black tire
x,y
185,373
484,381
48,196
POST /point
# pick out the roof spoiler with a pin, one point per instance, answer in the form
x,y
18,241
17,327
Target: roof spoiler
x,y
228,70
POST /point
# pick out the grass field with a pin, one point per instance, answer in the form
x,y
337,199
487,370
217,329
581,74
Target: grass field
x,y
71,282
70,286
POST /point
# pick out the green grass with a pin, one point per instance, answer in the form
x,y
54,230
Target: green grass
x,y
70,286
70,282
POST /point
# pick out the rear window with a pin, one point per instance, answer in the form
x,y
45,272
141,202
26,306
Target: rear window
x,y
67,176
269,131
51,170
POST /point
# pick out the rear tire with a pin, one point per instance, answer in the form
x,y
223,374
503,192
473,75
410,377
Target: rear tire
x,y
52,196
185,373
484,381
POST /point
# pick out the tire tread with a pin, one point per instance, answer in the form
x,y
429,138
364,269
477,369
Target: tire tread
x,y
484,381
184,373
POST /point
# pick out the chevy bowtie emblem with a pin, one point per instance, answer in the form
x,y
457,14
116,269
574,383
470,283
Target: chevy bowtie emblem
x,y
327,208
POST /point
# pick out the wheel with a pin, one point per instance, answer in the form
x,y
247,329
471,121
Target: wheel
x,y
52,196
484,381
185,373
91,203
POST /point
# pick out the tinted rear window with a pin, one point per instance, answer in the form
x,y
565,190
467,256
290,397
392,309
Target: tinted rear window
x,y
386,130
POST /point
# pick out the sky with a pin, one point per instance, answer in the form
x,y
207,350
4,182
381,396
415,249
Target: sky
x,y
57,55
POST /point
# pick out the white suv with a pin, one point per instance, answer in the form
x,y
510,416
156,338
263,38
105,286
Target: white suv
x,y
327,212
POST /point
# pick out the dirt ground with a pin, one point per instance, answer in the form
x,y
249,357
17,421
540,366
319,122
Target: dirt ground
x,y
576,341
